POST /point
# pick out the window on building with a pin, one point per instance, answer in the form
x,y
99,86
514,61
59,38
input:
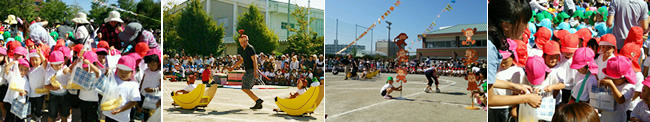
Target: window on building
x,y
37,3
284,25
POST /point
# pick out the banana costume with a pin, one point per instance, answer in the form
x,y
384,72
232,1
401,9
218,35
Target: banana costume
x,y
305,103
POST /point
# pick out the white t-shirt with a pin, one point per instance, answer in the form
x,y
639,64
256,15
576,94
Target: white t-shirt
x,y
513,74
591,81
619,114
566,74
129,92
191,87
638,87
549,80
62,78
301,91
602,65
385,87
642,112
151,80
89,94
36,80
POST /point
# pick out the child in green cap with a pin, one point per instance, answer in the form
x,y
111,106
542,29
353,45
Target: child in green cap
x,y
389,88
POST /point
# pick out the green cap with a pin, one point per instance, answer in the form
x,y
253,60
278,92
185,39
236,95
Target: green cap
x,y
54,35
579,13
564,15
390,78
540,17
547,15
19,39
603,11
7,34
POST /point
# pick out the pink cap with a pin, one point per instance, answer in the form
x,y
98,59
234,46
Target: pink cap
x,y
92,58
66,51
584,56
156,52
136,57
536,70
3,51
101,50
56,57
619,67
32,53
126,63
20,51
23,62
505,54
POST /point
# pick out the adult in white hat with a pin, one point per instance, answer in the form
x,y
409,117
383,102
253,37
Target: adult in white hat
x,y
83,29
108,32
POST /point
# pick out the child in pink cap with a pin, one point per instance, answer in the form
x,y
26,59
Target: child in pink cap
x,y
620,78
127,89
607,48
583,63
23,67
89,97
151,76
641,112
37,81
632,50
507,71
58,104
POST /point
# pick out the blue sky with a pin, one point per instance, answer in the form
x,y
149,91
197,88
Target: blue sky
x,y
85,4
411,17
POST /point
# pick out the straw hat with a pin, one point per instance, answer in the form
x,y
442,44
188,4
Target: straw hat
x,y
80,18
113,16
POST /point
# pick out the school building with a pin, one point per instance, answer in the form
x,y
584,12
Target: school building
x,y
446,42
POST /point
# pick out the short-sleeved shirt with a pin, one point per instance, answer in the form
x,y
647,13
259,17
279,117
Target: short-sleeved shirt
x,y
39,35
129,92
641,112
248,61
619,114
627,14
494,60
190,87
36,80
151,80
148,38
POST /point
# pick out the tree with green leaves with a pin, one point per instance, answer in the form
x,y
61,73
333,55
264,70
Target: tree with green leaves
x,y
198,33
128,5
170,36
53,10
98,12
305,40
25,9
259,35
147,11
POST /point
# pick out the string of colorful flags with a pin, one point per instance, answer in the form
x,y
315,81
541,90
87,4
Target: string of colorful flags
x,y
372,26
122,10
433,24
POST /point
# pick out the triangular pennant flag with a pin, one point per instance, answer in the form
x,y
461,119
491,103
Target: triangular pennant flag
x,y
397,3
378,20
443,10
392,8
427,29
383,17
449,6
453,1
438,16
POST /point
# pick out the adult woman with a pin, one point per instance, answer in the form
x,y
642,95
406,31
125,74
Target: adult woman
x,y
108,32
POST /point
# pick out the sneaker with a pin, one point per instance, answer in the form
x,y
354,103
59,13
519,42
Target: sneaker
x,y
258,104
427,90
388,97
437,90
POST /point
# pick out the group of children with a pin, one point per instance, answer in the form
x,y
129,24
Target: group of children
x,y
51,68
568,62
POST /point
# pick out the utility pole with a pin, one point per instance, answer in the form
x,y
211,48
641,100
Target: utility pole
x,y
390,50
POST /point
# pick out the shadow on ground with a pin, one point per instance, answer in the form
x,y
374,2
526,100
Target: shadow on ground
x,y
296,118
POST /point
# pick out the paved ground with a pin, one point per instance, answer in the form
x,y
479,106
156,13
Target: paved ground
x,y
360,100
233,105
